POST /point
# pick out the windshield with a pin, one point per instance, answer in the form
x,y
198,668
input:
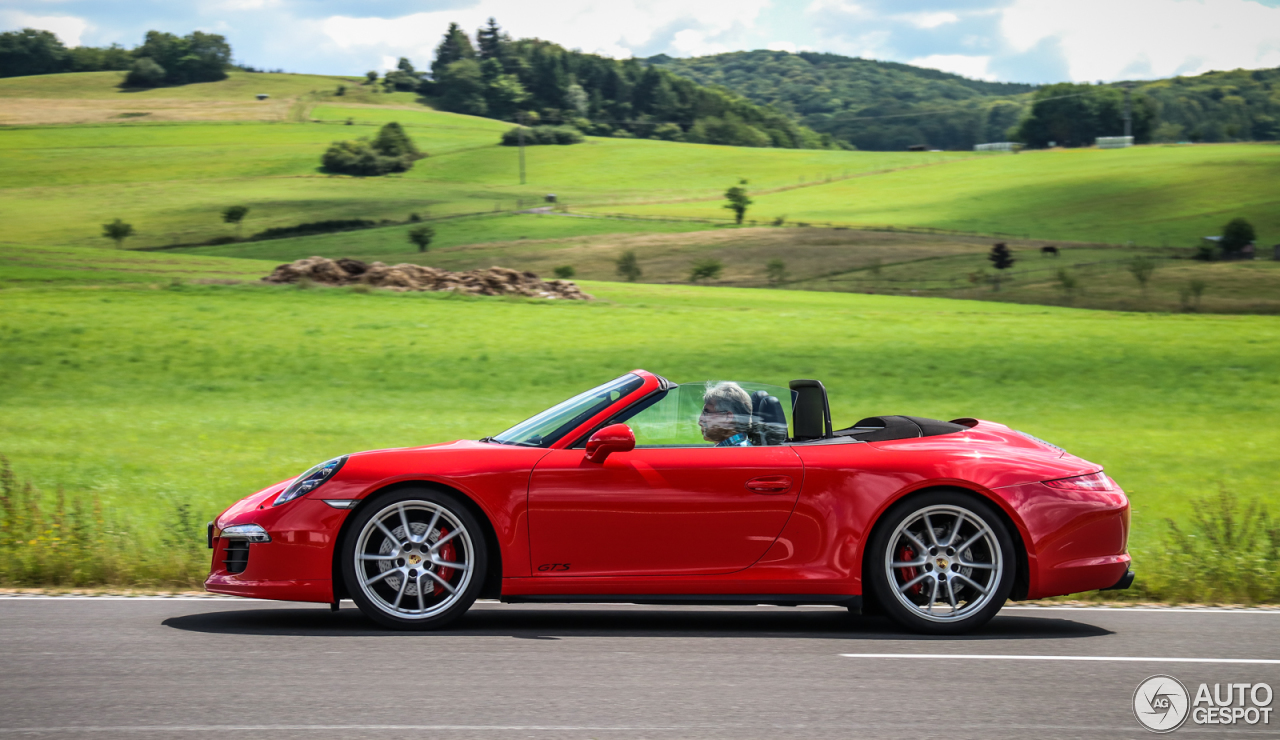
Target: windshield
x,y
545,428
697,415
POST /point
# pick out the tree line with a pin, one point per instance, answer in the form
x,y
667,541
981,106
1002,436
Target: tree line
x,y
889,106
161,59
533,81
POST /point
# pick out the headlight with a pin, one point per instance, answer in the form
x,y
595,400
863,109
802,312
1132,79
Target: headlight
x,y
250,532
311,480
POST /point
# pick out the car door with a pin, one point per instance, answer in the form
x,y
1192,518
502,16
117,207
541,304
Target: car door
x,y
681,508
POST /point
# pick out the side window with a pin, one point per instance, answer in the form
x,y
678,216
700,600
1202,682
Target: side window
x,y
712,413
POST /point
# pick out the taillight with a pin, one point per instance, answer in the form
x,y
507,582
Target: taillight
x,y
1092,482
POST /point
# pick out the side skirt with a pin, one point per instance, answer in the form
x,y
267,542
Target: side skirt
x,y
853,602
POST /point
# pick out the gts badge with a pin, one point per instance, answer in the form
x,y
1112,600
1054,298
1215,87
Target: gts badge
x,y
548,567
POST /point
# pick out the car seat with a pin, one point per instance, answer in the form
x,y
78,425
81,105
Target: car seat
x,y
768,422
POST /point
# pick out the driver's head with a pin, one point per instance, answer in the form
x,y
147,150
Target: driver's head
x,y
726,411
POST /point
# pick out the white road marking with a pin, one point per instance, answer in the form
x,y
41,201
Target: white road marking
x,y
1099,658
310,728
1157,609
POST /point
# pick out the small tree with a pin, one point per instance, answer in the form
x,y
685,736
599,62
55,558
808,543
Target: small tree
x,y
738,200
1002,259
235,215
421,237
706,269
1236,235
776,271
780,220
628,266
1141,269
564,272
117,230
370,77
342,90
1068,283
1196,288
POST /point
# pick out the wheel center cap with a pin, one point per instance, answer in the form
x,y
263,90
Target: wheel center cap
x,y
414,559
942,564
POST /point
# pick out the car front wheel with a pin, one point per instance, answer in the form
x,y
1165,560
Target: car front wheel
x,y
413,559
943,563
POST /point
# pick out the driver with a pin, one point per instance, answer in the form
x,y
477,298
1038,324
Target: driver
x,y
726,415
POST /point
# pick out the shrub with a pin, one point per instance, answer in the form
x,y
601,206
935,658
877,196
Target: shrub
x,y
421,237
1228,553
775,271
1142,268
706,269
564,272
542,135
342,90
117,231
668,132
391,151
145,73
1236,235
628,266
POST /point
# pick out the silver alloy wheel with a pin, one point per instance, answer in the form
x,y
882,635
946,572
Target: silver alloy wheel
x,y
944,563
414,559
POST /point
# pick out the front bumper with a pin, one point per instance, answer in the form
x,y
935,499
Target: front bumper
x,y
295,565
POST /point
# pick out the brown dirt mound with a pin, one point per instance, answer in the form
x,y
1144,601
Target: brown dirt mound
x,y
402,277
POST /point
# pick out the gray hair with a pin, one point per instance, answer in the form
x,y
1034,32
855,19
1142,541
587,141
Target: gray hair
x,y
729,396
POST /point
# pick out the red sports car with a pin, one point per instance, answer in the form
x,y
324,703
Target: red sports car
x,y
650,492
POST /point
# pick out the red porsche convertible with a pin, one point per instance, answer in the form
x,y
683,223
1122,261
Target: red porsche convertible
x,y
650,492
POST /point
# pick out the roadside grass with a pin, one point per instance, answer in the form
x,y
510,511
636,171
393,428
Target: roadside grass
x,y
148,399
1151,195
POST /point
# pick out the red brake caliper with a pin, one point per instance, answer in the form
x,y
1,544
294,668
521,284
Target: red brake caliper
x,y
447,553
905,553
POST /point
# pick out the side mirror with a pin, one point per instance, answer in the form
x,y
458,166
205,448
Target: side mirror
x,y
611,439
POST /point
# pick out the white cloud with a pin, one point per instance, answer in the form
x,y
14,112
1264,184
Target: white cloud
x,y
786,46
67,28
614,29
930,20
1107,40
974,67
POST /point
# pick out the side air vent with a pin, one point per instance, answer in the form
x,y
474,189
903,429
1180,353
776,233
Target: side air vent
x,y
237,556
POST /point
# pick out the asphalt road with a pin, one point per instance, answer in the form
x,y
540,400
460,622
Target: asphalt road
x,y
99,668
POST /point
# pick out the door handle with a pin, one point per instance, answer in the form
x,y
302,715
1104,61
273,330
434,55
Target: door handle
x,y
770,484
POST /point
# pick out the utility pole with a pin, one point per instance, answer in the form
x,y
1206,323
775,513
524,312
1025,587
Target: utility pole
x,y
520,130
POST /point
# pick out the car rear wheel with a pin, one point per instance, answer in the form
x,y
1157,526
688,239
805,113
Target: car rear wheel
x,y
942,563
414,559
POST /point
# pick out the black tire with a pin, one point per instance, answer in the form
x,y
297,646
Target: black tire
x,y
988,564
380,573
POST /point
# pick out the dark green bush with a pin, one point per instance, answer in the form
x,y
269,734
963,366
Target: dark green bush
x,y
390,151
145,73
315,227
542,135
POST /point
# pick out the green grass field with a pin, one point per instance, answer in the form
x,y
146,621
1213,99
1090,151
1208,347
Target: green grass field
x,y
1151,195
152,396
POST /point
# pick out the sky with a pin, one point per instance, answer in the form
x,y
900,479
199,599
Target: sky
x,y
1009,40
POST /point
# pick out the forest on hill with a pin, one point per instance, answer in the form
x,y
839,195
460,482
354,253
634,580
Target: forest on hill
x,y
534,81
890,106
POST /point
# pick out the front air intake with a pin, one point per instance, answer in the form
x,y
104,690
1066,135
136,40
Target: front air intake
x,y
236,556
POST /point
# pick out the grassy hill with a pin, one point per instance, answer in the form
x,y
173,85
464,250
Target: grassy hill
x,y
1155,196
91,97
148,399
60,183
